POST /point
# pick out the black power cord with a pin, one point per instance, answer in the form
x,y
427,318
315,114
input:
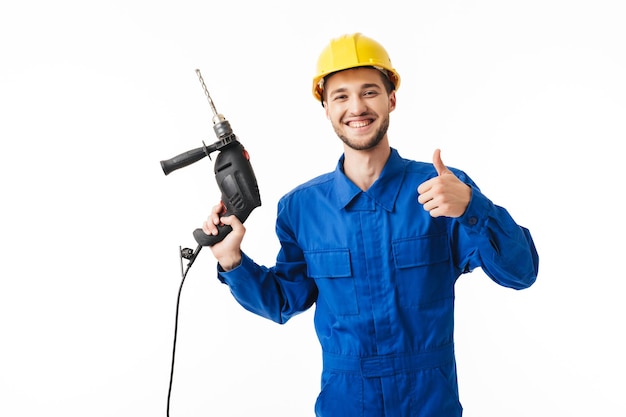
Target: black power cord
x,y
191,256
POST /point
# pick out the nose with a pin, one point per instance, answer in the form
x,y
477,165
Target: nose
x,y
357,105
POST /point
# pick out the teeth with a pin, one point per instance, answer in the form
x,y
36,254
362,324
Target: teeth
x,y
359,124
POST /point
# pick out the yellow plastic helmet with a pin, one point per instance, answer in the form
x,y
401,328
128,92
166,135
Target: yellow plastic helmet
x,y
351,51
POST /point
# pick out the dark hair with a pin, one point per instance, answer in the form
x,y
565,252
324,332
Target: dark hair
x,y
389,86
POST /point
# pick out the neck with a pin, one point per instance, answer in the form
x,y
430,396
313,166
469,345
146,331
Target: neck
x,y
364,167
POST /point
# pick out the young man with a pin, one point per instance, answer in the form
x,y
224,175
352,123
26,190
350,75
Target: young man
x,y
377,246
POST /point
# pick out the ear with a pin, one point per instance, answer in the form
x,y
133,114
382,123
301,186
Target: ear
x,y
392,101
325,104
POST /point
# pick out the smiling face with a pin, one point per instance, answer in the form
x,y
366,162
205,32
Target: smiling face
x,y
358,106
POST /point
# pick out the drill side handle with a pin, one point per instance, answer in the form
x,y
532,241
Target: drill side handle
x,y
184,159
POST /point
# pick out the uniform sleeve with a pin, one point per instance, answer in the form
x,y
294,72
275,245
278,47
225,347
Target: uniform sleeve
x,y
489,238
277,293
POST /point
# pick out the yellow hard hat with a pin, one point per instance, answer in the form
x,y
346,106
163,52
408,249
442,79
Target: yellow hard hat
x,y
351,51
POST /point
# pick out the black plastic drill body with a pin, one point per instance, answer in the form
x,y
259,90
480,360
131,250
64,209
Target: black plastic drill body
x,y
240,192
233,173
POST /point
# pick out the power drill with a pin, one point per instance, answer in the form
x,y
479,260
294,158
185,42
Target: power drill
x,y
233,172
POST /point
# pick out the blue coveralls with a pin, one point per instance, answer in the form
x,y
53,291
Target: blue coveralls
x,y
381,272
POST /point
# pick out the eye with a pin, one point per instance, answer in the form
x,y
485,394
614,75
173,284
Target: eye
x,y
339,97
370,93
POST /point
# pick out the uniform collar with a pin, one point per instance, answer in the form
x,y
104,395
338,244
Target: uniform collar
x,y
383,192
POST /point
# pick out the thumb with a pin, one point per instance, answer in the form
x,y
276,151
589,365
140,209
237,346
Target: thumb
x,y
438,163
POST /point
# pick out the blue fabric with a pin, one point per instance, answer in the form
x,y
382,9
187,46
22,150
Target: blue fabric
x,y
381,273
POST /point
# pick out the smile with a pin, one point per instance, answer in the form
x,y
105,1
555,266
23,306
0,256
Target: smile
x,y
359,123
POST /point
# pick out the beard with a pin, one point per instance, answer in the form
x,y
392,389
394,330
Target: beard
x,y
370,143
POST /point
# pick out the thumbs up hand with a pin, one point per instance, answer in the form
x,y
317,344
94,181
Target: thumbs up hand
x,y
445,194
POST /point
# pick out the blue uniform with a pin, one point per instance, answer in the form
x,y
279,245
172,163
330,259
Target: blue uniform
x,y
381,272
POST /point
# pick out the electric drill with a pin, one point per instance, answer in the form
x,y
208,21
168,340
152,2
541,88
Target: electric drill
x,y
233,172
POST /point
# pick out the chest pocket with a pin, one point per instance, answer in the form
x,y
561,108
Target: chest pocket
x,y
422,275
332,272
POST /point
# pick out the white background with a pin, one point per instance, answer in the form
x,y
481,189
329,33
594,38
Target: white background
x,y
527,97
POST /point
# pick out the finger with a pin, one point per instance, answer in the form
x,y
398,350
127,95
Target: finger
x,y
423,197
208,228
235,223
209,225
438,163
216,212
219,208
425,186
231,221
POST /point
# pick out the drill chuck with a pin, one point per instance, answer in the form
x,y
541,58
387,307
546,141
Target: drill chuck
x,y
222,129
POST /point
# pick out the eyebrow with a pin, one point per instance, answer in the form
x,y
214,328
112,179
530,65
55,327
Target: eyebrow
x,y
363,87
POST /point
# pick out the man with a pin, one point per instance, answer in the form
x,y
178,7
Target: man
x,y
377,246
